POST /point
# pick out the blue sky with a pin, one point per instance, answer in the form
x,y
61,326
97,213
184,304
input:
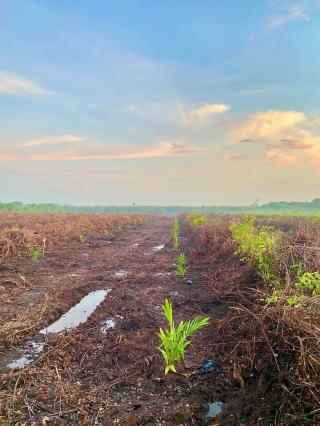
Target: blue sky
x,y
169,102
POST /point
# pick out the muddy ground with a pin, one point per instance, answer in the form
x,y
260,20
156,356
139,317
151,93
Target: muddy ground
x,y
89,377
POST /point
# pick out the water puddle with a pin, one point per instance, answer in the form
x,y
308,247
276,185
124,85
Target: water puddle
x,y
33,349
107,325
120,274
158,248
214,409
79,313
153,249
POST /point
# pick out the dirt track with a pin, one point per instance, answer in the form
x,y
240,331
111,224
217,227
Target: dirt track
x,y
87,377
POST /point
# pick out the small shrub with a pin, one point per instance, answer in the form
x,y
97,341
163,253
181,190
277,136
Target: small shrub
x,y
257,244
174,340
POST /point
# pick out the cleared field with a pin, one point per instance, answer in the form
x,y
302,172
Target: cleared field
x,y
82,317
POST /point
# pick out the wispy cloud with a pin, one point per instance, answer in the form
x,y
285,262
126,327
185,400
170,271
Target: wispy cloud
x,y
11,84
52,140
83,149
233,156
294,13
284,14
208,110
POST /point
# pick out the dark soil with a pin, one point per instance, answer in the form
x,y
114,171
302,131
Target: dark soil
x,y
86,377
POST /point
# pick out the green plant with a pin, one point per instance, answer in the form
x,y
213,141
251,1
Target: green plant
x,y
257,244
274,297
198,221
176,231
181,265
174,340
295,301
309,281
34,254
297,268
82,238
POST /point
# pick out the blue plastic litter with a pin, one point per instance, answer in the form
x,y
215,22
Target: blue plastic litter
x,y
209,366
189,282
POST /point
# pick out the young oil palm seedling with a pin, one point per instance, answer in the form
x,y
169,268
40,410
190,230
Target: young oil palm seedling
x,y
34,254
175,340
176,230
181,265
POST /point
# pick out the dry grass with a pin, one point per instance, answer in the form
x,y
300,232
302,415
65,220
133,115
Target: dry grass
x,y
20,233
277,347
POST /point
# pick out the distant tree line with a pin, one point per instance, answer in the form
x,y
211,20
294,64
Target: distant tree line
x,y
282,207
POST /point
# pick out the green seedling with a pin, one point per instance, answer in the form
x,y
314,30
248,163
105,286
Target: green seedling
x,y
34,254
199,221
82,238
181,265
174,340
176,231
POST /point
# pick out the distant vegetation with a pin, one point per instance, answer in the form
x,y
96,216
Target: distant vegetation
x,y
283,207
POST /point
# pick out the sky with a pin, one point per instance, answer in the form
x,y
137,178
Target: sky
x,y
178,102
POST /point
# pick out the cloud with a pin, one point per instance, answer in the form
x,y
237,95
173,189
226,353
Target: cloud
x,y
287,137
14,85
208,110
246,141
89,150
52,140
270,125
233,156
294,13
176,112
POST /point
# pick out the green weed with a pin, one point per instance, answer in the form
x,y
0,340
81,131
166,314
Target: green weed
x,y
275,296
295,301
174,340
82,238
309,281
257,244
